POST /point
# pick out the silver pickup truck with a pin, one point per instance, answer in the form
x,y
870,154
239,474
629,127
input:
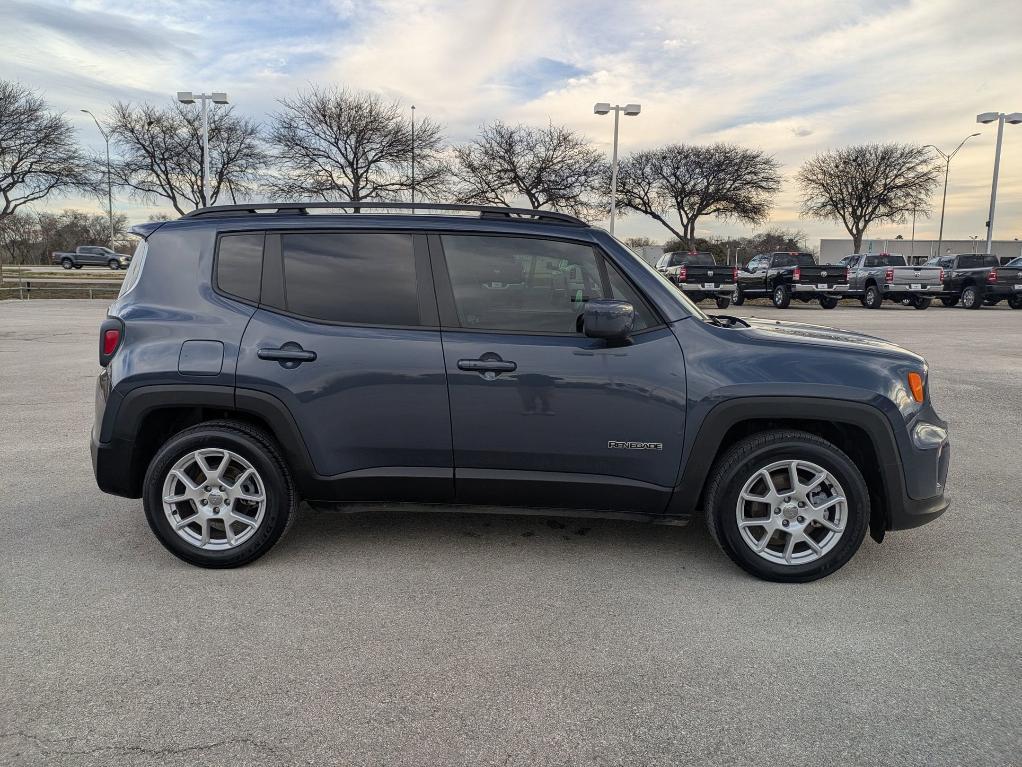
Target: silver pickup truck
x,y
877,277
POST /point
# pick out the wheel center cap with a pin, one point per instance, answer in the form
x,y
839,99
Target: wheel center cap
x,y
215,498
789,510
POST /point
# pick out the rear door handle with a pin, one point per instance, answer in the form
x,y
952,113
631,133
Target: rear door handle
x,y
487,366
289,355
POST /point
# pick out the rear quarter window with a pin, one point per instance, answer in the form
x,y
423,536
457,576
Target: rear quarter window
x,y
239,265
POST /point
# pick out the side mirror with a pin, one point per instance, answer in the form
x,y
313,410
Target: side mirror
x,y
608,319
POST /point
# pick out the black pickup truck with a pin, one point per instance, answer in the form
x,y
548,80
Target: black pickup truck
x,y
975,279
791,276
699,276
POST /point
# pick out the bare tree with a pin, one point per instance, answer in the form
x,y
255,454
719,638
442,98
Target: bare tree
x,y
38,151
722,180
868,183
339,144
160,153
552,167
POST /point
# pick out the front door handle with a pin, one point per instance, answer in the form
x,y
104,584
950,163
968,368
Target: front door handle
x,y
289,355
487,366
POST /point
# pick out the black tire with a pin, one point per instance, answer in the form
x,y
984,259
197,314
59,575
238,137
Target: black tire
x,y
971,297
113,264
921,303
829,302
949,302
695,297
1015,302
78,266
992,301
739,297
781,296
862,300
261,451
67,263
723,302
750,455
872,298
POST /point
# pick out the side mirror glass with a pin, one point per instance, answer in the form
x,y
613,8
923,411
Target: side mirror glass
x,y
608,319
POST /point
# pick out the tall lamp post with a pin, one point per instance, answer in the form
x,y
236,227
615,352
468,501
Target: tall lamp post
x,y
413,153
109,178
947,169
630,110
986,118
187,97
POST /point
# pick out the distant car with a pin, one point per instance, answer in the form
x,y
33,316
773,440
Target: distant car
x,y
699,276
784,276
976,279
92,255
1015,262
877,277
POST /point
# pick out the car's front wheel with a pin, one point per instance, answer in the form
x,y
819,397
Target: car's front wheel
x,y
787,506
921,302
828,302
67,263
949,302
781,296
1015,302
219,494
739,296
723,302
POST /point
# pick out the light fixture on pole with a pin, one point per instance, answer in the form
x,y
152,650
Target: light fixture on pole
x,y
109,178
630,110
413,154
947,169
187,97
986,118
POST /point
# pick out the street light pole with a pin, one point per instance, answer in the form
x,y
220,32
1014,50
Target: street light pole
x,y
986,118
630,110
187,97
947,170
109,178
413,153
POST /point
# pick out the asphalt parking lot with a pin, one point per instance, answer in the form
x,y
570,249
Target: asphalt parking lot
x,y
414,639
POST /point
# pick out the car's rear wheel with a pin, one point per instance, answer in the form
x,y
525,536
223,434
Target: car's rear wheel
x,y
781,296
828,302
739,296
67,263
219,494
921,302
873,298
723,302
787,506
971,298
949,302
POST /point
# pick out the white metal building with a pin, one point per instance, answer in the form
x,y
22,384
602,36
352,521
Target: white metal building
x,y
832,250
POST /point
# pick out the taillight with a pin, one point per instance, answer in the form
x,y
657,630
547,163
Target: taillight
x,y
111,332
847,275
889,274
992,277
942,274
734,274
797,274
110,340
682,273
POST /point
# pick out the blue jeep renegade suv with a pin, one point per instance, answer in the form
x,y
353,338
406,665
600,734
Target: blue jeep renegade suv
x,y
498,359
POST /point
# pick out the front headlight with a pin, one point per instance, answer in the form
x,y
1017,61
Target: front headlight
x,y
927,436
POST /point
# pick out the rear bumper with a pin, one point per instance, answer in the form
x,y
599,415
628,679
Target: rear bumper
x,y
700,288
908,290
808,288
1001,291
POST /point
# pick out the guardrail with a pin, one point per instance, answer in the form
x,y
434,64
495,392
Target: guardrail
x,y
25,287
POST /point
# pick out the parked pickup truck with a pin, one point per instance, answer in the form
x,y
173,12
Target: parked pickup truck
x,y
877,277
699,276
976,279
92,255
787,276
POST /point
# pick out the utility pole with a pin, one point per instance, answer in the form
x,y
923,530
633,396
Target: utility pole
x,y
109,178
630,110
187,97
413,153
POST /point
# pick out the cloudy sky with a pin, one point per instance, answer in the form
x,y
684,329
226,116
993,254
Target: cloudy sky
x,y
789,77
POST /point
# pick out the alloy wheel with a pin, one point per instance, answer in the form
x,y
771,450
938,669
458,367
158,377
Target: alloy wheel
x,y
214,499
791,512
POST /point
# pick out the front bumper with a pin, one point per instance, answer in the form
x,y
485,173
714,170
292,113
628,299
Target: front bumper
x,y
924,471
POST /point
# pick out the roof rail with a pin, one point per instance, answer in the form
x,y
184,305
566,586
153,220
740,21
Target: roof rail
x,y
302,208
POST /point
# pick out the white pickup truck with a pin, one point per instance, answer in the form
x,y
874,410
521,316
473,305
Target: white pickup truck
x,y
877,277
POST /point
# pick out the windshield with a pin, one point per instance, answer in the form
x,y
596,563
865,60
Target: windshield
x,y
1015,262
976,262
690,307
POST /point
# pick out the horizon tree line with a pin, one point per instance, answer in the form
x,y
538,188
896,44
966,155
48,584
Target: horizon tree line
x,y
338,144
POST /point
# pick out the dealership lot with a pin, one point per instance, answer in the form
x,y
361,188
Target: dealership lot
x,y
402,638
